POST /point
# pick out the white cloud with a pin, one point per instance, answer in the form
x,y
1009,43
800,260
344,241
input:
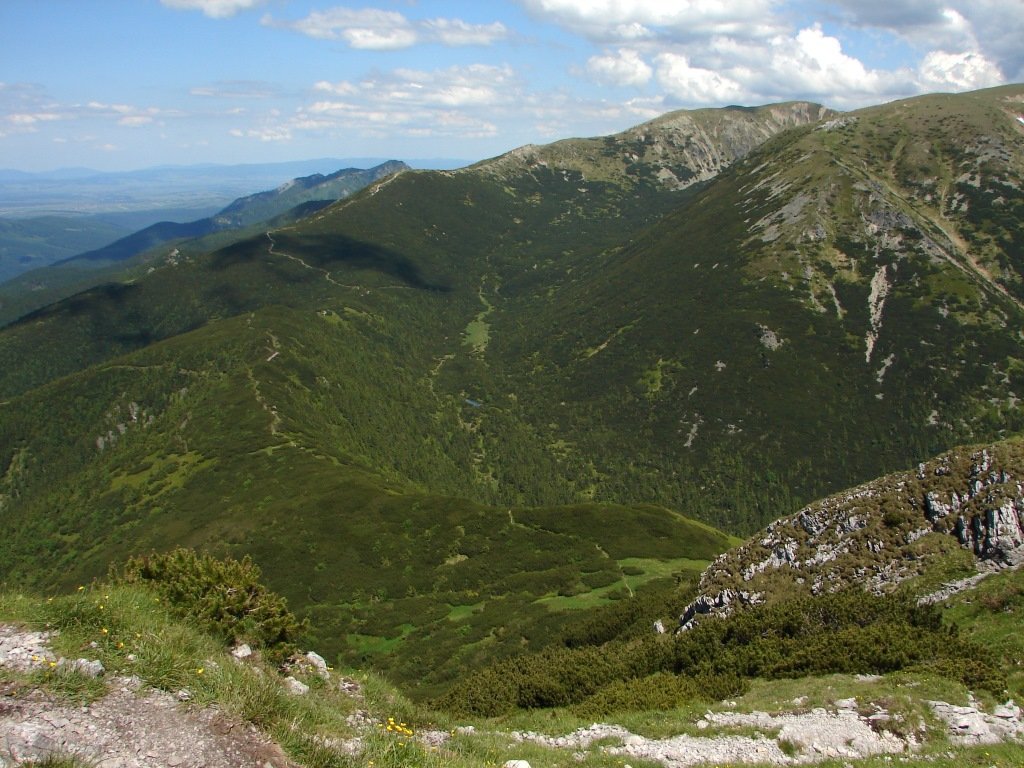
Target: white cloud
x,y
373,29
235,89
941,71
27,119
813,63
215,9
455,32
135,121
624,20
710,53
624,68
368,28
694,85
267,134
342,88
461,101
991,28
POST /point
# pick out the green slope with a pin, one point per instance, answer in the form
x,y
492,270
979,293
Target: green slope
x,y
212,440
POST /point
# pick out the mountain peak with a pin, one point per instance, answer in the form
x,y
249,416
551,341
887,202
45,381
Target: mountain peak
x,y
673,151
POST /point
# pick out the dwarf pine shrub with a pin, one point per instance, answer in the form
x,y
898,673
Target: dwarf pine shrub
x,y
848,632
223,596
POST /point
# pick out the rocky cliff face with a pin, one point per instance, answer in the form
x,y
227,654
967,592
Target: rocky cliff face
x,y
673,151
882,533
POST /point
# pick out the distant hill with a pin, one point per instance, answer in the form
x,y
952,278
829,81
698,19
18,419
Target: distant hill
x,y
27,244
36,288
244,211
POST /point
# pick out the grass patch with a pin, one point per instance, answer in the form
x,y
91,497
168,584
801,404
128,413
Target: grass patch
x,y
378,644
460,612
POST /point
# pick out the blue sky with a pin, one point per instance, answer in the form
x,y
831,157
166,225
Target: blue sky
x,y
122,84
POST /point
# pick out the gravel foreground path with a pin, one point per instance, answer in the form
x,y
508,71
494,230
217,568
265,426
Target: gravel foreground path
x,y
130,727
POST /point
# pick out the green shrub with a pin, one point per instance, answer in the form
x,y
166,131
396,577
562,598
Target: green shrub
x,y
224,596
849,632
659,691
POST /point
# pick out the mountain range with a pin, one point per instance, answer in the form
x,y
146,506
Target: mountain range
x,y
58,278
451,412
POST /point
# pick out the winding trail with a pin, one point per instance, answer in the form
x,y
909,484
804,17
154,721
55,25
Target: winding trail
x,y
327,275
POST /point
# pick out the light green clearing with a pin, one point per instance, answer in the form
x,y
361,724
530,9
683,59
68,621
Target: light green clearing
x,y
652,569
653,379
376,644
174,468
460,612
478,331
591,351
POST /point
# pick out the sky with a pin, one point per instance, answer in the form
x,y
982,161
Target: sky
x,y
125,84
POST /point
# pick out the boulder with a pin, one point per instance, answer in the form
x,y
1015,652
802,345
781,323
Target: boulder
x,y
319,664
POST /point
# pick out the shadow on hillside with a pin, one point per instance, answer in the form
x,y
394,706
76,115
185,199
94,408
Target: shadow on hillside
x,y
329,252
106,295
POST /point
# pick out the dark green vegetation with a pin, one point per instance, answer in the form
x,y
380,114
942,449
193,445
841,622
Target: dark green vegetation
x,y
851,632
447,411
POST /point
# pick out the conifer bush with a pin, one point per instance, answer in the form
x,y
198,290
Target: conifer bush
x,y
849,632
224,596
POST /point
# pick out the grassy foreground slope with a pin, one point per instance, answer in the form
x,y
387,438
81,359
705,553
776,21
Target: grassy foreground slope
x,y
134,629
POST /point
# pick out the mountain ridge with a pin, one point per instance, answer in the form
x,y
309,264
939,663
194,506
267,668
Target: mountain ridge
x,y
955,517
244,211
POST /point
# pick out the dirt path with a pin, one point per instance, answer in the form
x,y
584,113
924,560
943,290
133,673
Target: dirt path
x,y
130,727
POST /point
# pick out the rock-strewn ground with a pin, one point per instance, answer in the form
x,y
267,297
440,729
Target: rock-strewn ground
x,y
793,738
130,727
136,727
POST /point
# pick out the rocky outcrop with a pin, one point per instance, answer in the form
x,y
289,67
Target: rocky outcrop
x,y
721,603
972,725
880,534
680,148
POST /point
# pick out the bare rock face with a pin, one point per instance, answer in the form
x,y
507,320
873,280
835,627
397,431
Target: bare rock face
x,y
722,603
971,725
686,147
872,535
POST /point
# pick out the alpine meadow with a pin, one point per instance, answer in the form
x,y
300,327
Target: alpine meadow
x,y
471,433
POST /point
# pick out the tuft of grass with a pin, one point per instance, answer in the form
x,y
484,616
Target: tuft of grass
x,y
60,760
69,684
